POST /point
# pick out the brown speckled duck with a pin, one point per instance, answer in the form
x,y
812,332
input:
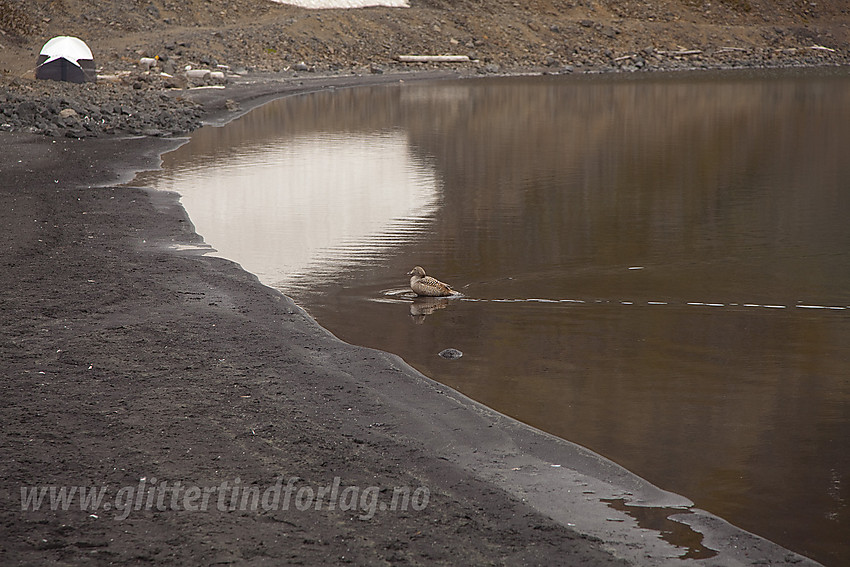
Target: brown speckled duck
x,y
426,285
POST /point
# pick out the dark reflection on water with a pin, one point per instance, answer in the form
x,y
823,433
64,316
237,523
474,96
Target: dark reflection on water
x,y
676,252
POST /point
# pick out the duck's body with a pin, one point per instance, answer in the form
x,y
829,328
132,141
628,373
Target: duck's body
x,y
426,285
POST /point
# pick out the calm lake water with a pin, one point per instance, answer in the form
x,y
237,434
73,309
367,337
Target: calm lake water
x,y
656,268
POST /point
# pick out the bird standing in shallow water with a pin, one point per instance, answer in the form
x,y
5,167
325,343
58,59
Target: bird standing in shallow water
x,y
426,285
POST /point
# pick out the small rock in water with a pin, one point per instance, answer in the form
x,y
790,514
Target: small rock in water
x,y
451,353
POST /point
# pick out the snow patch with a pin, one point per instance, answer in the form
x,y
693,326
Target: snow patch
x,y
325,4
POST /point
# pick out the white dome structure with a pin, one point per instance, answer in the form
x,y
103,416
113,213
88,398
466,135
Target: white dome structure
x,y
66,58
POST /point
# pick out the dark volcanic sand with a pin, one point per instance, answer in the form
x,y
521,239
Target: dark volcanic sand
x,y
123,358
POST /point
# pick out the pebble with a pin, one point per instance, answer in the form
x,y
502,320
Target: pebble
x,y
451,353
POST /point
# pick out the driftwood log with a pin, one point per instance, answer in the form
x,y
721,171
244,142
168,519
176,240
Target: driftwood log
x,y
433,58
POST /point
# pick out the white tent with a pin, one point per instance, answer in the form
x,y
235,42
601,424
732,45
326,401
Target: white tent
x,y
66,58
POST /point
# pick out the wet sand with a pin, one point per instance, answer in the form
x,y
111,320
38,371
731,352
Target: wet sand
x,y
129,355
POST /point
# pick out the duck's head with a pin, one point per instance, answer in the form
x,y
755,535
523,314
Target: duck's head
x,y
417,271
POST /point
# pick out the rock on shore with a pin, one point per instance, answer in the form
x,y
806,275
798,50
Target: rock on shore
x,y
87,110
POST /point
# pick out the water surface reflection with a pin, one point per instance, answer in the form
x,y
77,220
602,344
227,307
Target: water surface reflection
x,y
655,268
278,206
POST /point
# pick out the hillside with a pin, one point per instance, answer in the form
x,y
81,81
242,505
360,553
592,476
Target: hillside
x,y
557,35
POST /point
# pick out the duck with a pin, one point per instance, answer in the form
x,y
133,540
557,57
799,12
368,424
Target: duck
x,y
428,286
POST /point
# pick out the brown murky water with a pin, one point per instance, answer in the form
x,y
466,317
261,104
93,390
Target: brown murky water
x,y
656,268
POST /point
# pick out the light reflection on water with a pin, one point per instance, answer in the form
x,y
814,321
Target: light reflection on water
x,y
278,207
654,268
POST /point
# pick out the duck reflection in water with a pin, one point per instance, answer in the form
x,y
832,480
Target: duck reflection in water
x,y
431,294
424,306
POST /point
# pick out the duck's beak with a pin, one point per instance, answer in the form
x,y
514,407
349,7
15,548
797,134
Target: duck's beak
x,y
410,273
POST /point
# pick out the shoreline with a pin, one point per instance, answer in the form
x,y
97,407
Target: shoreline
x,y
128,323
